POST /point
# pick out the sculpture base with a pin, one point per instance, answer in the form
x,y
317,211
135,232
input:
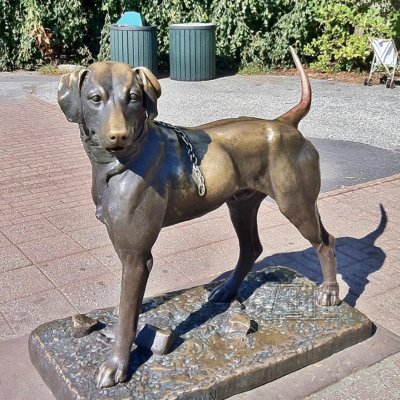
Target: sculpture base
x,y
272,329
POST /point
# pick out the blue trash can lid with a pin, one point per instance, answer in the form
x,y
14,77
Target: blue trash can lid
x,y
132,18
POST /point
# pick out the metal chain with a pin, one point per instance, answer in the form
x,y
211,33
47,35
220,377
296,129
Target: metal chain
x,y
193,159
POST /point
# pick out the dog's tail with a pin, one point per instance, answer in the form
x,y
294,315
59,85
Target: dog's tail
x,y
296,114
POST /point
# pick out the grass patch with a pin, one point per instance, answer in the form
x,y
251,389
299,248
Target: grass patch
x,y
253,70
49,69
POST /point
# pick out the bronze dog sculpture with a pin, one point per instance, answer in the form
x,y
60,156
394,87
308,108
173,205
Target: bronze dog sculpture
x,y
144,179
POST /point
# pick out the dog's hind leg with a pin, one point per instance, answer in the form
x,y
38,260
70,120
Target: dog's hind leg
x,y
304,215
329,291
243,215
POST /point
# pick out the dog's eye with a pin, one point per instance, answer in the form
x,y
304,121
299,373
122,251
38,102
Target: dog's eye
x,y
96,98
133,97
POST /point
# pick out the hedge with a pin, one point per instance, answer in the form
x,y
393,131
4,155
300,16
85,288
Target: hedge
x,y
328,33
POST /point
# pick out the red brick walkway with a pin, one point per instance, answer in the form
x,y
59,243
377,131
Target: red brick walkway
x,y
56,258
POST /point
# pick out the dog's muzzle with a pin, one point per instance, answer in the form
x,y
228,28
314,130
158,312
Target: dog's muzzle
x,y
117,139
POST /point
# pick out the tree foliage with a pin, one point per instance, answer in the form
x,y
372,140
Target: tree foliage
x,y
344,28
328,33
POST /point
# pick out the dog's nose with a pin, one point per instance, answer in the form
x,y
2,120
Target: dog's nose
x,y
118,137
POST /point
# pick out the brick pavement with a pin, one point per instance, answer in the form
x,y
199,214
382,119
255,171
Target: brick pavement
x,y
56,259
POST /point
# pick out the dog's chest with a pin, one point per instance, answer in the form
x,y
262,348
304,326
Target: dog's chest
x,y
121,194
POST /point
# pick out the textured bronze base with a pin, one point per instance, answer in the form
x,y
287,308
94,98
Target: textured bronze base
x,y
273,328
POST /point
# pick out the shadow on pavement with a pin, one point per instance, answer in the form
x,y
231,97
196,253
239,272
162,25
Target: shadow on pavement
x,y
354,273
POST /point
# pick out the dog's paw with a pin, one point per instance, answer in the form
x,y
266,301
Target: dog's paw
x,y
222,294
328,294
112,371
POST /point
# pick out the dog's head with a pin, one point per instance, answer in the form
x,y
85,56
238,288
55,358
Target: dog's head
x,y
111,100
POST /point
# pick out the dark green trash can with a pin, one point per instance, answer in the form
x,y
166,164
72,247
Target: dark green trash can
x,y
134,45
192,51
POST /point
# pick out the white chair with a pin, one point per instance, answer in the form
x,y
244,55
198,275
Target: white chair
x,y
386,56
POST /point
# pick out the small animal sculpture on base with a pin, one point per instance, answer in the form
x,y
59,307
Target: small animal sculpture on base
x,y
144,179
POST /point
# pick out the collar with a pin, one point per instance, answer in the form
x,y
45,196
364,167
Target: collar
x,y
141,133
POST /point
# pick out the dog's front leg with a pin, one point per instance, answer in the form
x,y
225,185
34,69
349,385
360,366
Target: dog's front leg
x,y
135,272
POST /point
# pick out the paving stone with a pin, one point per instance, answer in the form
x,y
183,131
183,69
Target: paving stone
x,y
99,292
40,250
91,237
76,267
282,238
10,214
163,277
107,256
175,240
40,209
23,220
210,231
6,332
203,260
381,282
267,207
4,241
11,258
343,259
379,310
389,244
229,250
353,252
4,221
22,282
270,219
73,219
23,232
24,314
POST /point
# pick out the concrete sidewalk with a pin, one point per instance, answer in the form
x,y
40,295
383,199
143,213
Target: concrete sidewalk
x,y
56,259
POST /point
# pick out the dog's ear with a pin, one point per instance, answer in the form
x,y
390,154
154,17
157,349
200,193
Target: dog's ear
x,y
69,95
151,88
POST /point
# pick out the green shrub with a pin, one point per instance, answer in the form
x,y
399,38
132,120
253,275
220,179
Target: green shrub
x,y
344,28
249,33
9,34
36,31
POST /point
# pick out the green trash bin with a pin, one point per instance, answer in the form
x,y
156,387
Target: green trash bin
x,y
134,43
192,51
